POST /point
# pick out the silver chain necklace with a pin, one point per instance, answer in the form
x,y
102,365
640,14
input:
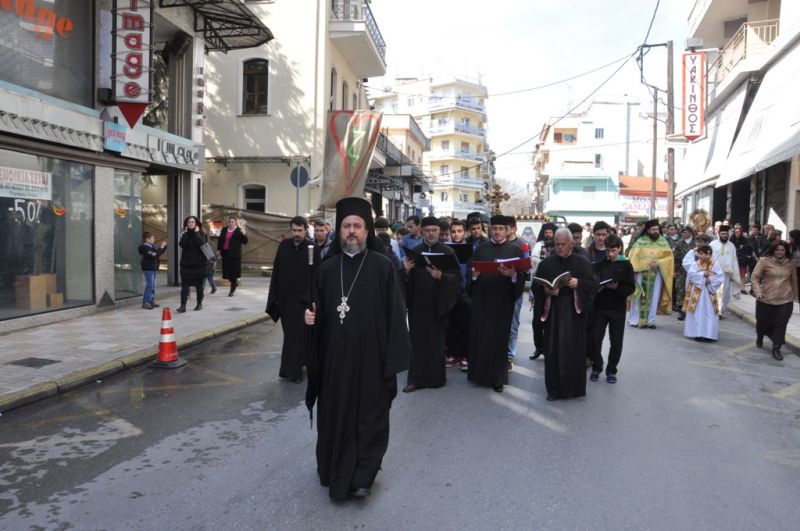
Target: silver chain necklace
x,y
343,308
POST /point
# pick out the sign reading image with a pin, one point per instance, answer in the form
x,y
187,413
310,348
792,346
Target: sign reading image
x,y
133,57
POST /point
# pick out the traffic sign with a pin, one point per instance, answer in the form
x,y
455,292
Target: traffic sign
x,y
299,177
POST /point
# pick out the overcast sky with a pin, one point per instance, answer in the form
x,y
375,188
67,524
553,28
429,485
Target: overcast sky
x,y
517,44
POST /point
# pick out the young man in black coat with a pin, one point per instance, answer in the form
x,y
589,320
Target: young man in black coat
x,y
229,247
610,307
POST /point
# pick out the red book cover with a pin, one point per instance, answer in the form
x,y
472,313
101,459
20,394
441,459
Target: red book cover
x,y
484,267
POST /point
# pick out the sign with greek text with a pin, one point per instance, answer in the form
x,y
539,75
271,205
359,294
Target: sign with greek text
x,y
694,95
25,184
350,139
133,57
114,136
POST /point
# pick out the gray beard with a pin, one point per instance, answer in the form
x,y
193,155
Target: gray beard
x,y
354,249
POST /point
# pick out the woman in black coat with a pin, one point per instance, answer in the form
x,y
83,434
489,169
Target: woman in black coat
x,y
229,247
193,262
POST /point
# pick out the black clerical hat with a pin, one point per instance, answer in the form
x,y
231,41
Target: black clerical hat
x,y
651,223
724,228
354,206
499,219
430,220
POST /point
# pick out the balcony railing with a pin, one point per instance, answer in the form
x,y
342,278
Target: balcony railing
x,y
359,11
457,180
751,39
456,154
436,103
457,128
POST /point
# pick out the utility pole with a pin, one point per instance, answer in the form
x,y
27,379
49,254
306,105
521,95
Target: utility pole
x,y
670,130
655,155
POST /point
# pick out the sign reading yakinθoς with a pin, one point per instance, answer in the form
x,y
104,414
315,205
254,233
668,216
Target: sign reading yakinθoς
x,y
694,95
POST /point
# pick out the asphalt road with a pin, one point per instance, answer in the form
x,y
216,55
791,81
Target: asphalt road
x,y
694,436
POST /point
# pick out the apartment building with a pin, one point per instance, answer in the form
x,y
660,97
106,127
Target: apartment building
x,y
267,106
745,166
101,137
452,113
585,153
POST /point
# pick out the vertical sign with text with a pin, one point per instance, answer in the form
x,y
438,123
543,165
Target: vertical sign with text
x,y
694,95
133,57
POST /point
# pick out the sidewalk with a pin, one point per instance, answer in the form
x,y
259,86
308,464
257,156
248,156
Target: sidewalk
x,y
51,359
745,309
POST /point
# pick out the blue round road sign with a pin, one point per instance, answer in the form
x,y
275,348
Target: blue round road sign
x,y
299,177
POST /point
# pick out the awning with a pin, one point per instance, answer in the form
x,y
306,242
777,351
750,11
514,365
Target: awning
x,y
771,131
225,24
705,159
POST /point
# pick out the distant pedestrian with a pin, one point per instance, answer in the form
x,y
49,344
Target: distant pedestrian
x,y
229,248
321,240
794,244
211,268
193,262
774,282
150,263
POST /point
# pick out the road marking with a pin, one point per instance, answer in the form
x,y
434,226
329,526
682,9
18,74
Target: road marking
x,y
791,458
743,400
786,392
724,368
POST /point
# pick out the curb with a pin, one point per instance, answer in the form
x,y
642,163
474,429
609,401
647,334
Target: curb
x,y
104,369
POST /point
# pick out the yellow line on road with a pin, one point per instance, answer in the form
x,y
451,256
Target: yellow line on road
x,y
742,400
786,392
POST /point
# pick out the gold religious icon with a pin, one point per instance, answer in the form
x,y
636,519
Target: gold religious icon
x,y
496,197
700,220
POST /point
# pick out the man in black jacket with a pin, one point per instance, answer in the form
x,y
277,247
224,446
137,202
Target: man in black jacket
x,y
616,279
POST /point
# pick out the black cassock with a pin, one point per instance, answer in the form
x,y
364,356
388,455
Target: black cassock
x,y
429,304
493,299
353,367
565,325
289,293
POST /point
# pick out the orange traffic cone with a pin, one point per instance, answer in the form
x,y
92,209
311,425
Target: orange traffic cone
x,y
167,357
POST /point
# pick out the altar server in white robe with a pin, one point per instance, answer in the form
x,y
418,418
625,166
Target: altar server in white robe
x,y
704,278
725,255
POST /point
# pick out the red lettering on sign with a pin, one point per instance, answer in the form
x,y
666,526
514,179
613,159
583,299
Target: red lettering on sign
x,y
133,65
132,89
132,21
45,19
133,41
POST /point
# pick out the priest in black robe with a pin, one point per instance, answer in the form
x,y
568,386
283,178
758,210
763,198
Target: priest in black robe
x,y
431,295
493,299
564,316
289,296
360,342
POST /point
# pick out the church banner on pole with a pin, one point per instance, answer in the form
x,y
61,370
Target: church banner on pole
x,y
350,140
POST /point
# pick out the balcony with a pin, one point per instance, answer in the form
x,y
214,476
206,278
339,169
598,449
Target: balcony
x,y
437,103
455,154
706,18
458,181
457,209
354,31
752,39
452,128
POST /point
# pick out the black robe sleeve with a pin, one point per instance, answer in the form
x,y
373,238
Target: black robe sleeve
x,y
398,342
315,350
272,299
587,284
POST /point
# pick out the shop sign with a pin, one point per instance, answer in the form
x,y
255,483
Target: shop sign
x,y
694,97
174,152
25,184
133,57
639,206
44,21
114,134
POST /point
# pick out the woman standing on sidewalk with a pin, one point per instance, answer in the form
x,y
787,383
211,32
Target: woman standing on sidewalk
x,y
229,248
794,242
774,282
193,262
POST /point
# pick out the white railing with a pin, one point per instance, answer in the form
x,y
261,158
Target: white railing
x,y
438,103
451,127
457,180
750,40
359,11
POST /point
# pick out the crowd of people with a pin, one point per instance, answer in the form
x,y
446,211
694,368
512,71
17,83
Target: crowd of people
x,y
366,300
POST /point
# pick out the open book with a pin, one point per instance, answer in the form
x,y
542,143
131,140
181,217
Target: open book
x,y
442,261
557,283
612,273
490,266
463,250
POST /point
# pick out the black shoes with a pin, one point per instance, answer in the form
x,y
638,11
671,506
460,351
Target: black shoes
x,y
181,308
594,376
297,380
538,352
551,398
611,378
359,492
199,306
681,316
498,388
759,342
410,388
213,290
776,352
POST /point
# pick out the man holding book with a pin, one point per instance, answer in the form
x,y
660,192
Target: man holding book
x,y
616,283
432,277
565,282
494,288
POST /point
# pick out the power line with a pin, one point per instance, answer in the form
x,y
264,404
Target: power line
x,y
518,91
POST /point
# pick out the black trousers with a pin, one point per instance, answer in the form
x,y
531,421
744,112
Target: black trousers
x,y
771,321
538,330
186,285
615,321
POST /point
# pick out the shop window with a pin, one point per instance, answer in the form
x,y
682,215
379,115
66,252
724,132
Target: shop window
x,y
255,197
46,227
345,93
255,83
128,279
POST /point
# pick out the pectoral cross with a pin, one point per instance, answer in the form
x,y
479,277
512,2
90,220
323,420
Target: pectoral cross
x,y
343,308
